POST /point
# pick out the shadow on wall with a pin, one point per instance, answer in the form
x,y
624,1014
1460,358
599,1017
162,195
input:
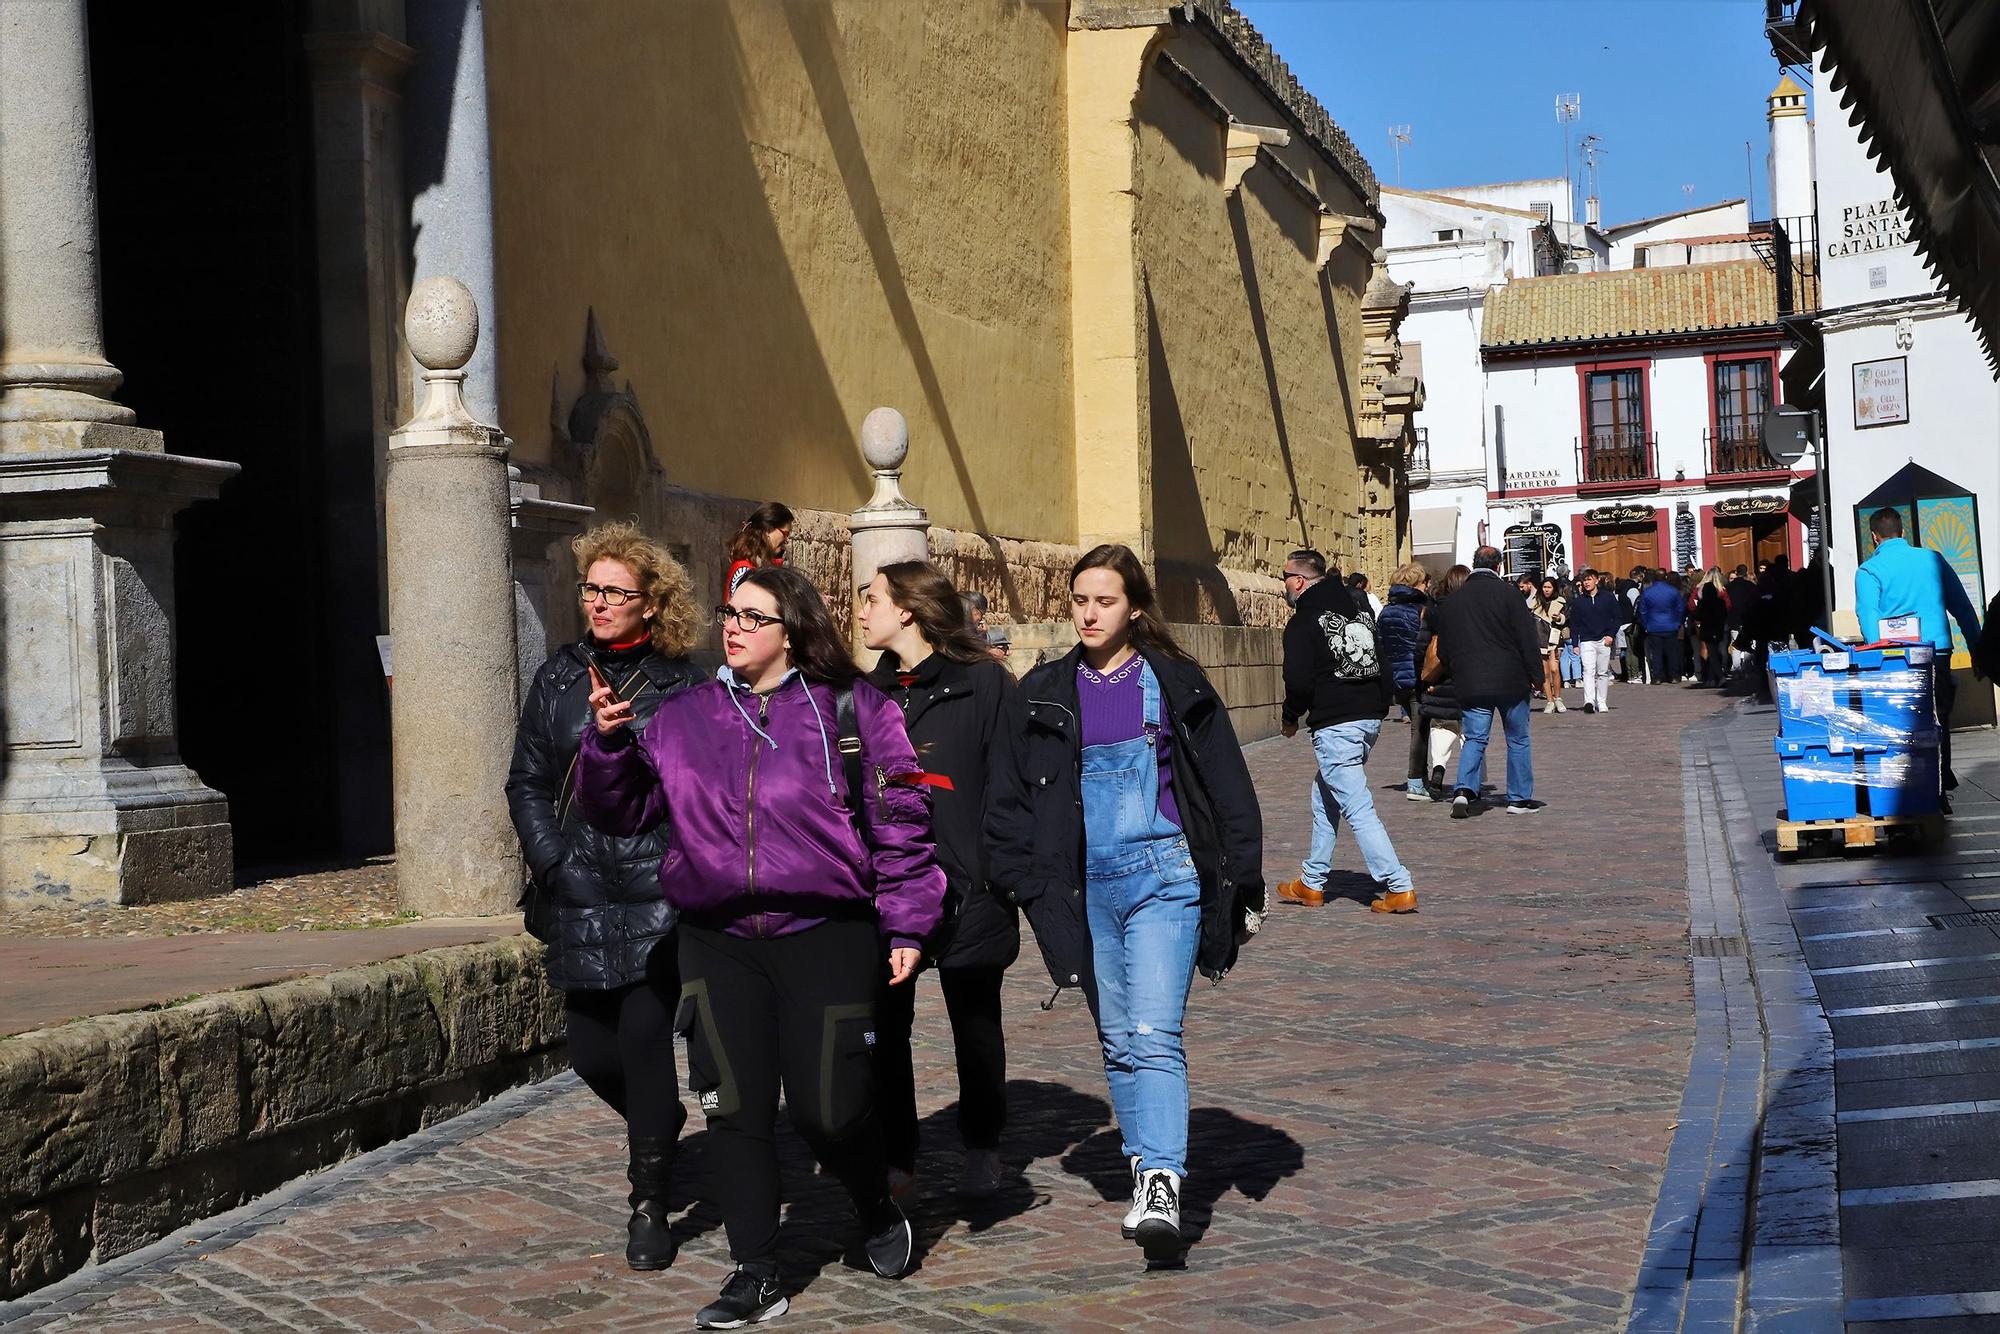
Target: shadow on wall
x,y
1253,293
817,42
1184,558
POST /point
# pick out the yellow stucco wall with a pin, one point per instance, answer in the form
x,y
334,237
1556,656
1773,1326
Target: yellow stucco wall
x,y
786,214
1250,352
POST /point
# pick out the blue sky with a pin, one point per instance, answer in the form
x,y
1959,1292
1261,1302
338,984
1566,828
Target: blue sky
x,y
1673,87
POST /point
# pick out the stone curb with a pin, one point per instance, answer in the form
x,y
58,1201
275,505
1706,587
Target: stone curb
x,y
1746,1230
87,1287
123,1127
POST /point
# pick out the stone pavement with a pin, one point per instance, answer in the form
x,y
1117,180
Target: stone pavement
x,y
1905,960
1456,1119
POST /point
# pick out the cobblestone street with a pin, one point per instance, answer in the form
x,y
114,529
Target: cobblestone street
x,y
1451,1120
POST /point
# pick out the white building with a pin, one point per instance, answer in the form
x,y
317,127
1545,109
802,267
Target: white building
x,y
1897,370
1455,251
1622,418
1630,242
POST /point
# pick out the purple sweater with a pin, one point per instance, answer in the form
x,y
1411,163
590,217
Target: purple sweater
x,y
1113,709
763,842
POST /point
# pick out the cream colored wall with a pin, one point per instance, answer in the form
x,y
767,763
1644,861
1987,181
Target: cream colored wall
x,y
1250,354
785,215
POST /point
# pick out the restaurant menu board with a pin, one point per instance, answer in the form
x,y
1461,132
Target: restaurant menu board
x,y
1881,392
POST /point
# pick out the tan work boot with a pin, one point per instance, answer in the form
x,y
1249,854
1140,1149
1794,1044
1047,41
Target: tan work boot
x,y
1404,901
1298,891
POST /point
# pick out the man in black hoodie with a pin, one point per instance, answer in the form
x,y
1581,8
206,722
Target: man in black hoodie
x,y
1488,642
1337,680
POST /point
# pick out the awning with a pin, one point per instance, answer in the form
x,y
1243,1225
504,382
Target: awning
x,y
1921,80
1434,532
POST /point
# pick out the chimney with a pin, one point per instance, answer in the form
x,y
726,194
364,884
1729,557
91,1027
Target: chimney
x,y
1791,151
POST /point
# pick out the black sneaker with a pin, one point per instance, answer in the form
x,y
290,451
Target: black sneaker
x,y
1437,775
1528,807
1588,707
889,1241
747,1298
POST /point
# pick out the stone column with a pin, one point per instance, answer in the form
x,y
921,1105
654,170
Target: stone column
x,y
95,806
888,528
451,622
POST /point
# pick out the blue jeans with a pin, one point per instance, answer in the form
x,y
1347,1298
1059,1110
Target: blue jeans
x,y
1341,788
1144,912
1478,725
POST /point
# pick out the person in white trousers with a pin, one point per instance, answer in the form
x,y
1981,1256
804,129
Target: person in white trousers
x,y
1595,614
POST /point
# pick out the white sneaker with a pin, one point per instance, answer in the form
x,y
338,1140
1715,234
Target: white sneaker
x,y
1159,1229
1561,707
1549,706
1129,1226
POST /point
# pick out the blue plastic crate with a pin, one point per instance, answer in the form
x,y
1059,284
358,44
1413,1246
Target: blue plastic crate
x,y
1858,696
1833,780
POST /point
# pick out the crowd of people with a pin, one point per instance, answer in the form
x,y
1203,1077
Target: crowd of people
x,y
765,860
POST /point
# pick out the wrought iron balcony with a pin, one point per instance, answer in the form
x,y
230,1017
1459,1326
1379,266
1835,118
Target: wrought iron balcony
x,y
1790,250
1789,40
1616,455
1737,447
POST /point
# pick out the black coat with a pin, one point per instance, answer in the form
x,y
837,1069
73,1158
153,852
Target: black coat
x,y
1440,699
1034,822
1334,668
1489,641
593,899
1401,629
954,712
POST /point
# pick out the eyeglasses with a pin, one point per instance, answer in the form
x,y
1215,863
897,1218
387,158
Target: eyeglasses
x,y
613,596
746,620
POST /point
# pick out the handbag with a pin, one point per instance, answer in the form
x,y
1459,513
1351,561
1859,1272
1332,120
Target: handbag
x,y
1433,670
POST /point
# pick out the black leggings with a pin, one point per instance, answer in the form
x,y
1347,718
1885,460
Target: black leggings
x,y
797,1010
622,1042
972,999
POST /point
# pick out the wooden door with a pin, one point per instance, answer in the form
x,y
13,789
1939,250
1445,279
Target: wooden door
x,y
1770,536
1735,545
1621,549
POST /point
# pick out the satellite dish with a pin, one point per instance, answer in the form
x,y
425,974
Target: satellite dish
x,y
1787,434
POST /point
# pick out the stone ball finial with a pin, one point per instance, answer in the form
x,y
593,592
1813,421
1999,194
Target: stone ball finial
x,y
885,439
441,323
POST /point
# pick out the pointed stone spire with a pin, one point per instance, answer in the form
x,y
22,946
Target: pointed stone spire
x,y
598,363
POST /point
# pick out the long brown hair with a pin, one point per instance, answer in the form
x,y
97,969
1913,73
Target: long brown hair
x,y
752,541
818,651
1454,579
1148,630
920,588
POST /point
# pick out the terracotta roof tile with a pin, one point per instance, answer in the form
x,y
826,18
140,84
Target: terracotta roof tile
x,y
1625,303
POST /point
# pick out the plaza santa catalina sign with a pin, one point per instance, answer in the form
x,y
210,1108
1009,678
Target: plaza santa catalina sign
x,y
1878,225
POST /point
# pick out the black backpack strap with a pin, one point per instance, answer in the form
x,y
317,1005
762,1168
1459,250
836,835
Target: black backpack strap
x,y
849,728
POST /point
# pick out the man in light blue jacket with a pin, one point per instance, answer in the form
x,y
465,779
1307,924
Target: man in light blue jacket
x,y
1905,592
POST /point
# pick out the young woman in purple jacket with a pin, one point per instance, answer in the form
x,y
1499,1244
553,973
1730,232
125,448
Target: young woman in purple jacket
x,y
792,896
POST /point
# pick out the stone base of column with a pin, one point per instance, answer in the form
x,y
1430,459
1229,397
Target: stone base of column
x,y
95,804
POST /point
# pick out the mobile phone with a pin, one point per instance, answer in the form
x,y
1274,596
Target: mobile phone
x,y
604,675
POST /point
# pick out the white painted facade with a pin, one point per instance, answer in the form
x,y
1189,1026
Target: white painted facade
x,y
1879,302
1731,217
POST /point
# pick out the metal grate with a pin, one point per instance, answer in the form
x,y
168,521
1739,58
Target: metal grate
x,y
1716,947
1946,921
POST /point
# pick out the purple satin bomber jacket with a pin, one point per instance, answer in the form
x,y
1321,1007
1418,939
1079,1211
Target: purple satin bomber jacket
x,y
763,841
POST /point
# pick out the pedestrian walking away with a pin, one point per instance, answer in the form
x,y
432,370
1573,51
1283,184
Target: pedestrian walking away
x,y
1438,696
1488,640
1336,680
1402,630
1129,831
760,541
955,702
593,899
1662,610
1711,624
1595,614
801,861
1912,594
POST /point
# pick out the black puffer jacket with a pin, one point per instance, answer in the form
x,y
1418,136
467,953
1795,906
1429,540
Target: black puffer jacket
x,y
953,712
1440,699
593,899
1401,626
1034,823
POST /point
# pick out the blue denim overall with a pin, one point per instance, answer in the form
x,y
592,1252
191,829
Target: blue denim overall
x,y
1142,900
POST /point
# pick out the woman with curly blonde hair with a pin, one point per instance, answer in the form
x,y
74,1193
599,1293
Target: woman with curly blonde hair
x,y
593,898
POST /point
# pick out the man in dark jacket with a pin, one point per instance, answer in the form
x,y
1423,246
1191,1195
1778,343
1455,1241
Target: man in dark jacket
x,y
1336,679
1595,614
1488,641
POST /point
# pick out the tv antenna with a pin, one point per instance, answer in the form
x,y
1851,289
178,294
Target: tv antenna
x,y
1399,136
1569,108
1593,148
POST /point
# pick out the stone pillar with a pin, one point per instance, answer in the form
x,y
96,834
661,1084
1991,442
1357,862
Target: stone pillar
x,y
55,383
888,528
452,626
95,806
539,524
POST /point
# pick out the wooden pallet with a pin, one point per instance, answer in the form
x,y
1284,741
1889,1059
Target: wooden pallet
x,y
1858,831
